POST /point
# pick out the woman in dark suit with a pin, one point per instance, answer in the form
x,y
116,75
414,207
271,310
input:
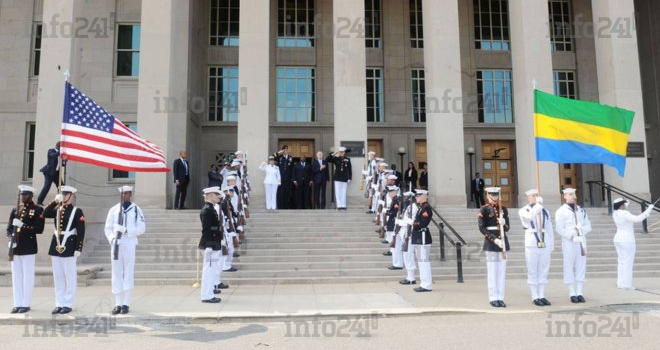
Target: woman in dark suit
x,y
424,178
410,177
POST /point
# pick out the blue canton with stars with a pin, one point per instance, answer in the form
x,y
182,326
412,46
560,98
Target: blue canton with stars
x,y
81,110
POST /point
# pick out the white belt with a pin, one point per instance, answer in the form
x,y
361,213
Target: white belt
x,y
492,228
66,233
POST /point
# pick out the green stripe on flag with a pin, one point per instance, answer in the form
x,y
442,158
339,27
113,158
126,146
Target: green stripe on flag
x,y
583,112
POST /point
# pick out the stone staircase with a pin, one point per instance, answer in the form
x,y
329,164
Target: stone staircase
x,y
328,246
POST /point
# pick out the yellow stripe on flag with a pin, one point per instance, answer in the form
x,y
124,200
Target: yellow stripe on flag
x,y
561,129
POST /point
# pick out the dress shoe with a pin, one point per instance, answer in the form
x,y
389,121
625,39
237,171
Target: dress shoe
x,y
56,310
370,211
545,302
395,268
388,253
581,299
538,302
405,281
420,289
384,241
216,291
574,299
222,285
233,269
65,310
494,303
501,303
124,309
213,300
182,208
23,310
236,255
116,310
14,310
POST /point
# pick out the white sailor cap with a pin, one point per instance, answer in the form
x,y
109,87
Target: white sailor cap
x,y
371,153
125,189
568,191
69,189
236,162
271,158
214,189
231,177
409,194
341,149
421,192
238,152
383,164
228,188
392,177
492,190
392,188
380,160
26,189
620,200
532,192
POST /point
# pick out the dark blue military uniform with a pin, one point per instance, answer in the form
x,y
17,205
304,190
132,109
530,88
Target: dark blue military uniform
x,y
33,224
488,215
212,232
74,242
421,234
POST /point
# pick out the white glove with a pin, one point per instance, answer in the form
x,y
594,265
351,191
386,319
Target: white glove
x,y
398,222
365,172
649,209
76,254
539,200
239,229
208,250
410,221
17,223
538,208
578,239
381,202
223,243
374,187
59,198
501,221
498,242
349,181
119,228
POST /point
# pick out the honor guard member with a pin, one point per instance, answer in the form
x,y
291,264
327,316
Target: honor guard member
x,y
65,247
491,219
238,201
369,173
343,175
392,220
539,244
387,203
211,243
410,212
383,202
284,161
123,225
23,227
573,225
231,225
376,186
624,240
421,240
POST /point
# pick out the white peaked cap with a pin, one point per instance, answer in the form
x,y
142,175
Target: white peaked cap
x,y
492,190
125,189
69,189
532,192
214,189
26,188
568,190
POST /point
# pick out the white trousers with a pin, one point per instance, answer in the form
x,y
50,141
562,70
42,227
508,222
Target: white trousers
x,y
340,193
271,196
409,261
423,253
210,273
626,254
226,264
397,253
66,280
575,265
123,270
221,265
374,201
496,267
538,265
22,279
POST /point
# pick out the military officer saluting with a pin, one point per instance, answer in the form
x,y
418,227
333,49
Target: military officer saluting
x,y
24,224
421,240
493,219
123,225
212,244
539,244
65,247
573,225
343,175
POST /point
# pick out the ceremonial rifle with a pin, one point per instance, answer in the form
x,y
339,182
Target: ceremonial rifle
x,y
13,236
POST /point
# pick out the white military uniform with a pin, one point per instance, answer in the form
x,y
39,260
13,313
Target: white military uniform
x,y
271,182
123,268
569,219
537,258
406,220
624,242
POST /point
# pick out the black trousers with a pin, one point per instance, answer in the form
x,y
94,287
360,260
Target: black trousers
x,y
302,196
478,198
284,194
180,196
319,195
48,180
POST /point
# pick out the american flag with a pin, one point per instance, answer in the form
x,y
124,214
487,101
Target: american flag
x,y
92,135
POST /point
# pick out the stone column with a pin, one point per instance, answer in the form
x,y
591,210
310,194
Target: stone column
x,y
444,120
532,61
162,95
619,82
255,73
350,83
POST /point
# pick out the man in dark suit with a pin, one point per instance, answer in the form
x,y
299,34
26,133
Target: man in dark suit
x,y
215,178
284,161
302,180
320,176
181,172
51,172
477,189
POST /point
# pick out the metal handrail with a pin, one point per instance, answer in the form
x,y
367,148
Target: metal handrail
x,y
458,243
609,189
